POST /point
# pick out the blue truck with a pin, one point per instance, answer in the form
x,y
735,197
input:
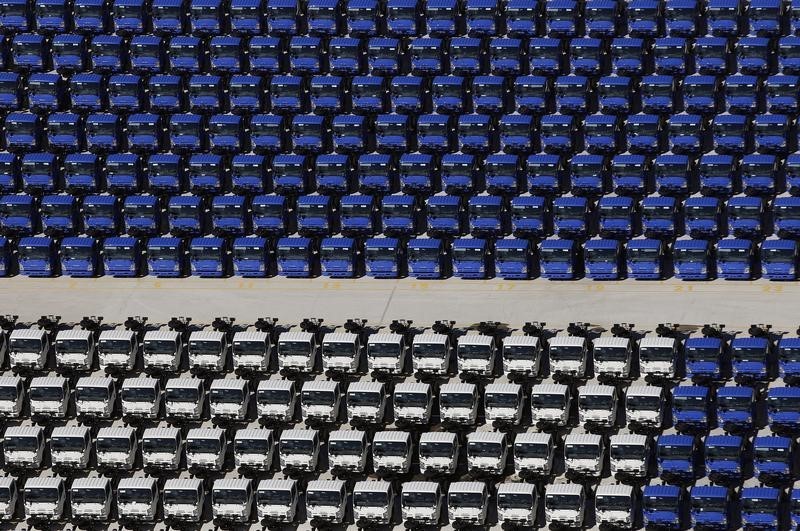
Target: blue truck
x,y
187,215
572,216
704,357
144,215
736,259
560,259
646,258
102,214
530,216
664,506
763,507
783,408
385,257
703,216
297,256
724,457
779,258
209,257
604,259
252,257
660,217
359,215
230,215
746,216
80,256
789,359
692,408
473,258
38,256
446,215
736,408
273,215
488,216
401,215
514,258
712,506
774,457
678,457
341,257
317,215
124,256
59,214
752,359
167,257
428,258
786,216
617,217
19,215
693,259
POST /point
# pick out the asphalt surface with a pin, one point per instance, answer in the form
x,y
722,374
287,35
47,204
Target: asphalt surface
x,y
738,304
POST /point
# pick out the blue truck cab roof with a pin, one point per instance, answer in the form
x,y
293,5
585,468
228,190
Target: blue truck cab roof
x,y
512,243
772,441
676,440
690,391
702,343
735,244
78,241
164,241
382,243
596,244
735,392
470,243
644,244
724,440
691,244
338,243
207,241
662,491
709,491
789,342
425,243
244,242
121,241
557,243
749,342
58,199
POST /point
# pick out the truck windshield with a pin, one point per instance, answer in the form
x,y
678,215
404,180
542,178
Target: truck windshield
x,y
227,396
274,396
206,253
357,210
77,252
337,253
561,255
115,252
297,446
8,392
597,402
615,212
614,503
734,255
390,448
723,452
735,403
20,444
474,352
532,451
610,354
602,255
275,497
92,393
657,353
229,496
423,254
760,505
15,210
668,451
68,444
702,212
695,354
779,256
29,252
345,447
744,211
56,210
691,255
364,399
134,496
201,347
709,503
160,444
485,449
384,350
468,255
182,394
465,499
411,400
515,501
643,403
485,211
570,211
787,354
324,497
96,495
47,393
628,451
339,348
253,446
457,399
72,346
581,451
180,496
779,404
293,254
139,394
658,503
268,210
661,90
767,453
564,352
502,400
248,252
163,252
113,444
294,348
319,398
658,213
749,354
788,213
435,449
563,502
520,352
641,255
420,499
370,499
548,401
690,403
42,495
429,350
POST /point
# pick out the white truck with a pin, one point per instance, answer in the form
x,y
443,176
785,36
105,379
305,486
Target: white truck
x,y
645,406
232,499
117,349
320,401
568,356
373,503
458,403
185,398
299,450
326,501
387,349
550,403
467,503
90,498
391,452
502,403
141,397
254,448
658,356
162,350
9,494
421,502
522,355
70,446
597,405
229,398
251,350
276,500
276,400
208,349
475,354
137,498
616,505
297,350
630,454
183,499
95,396
44,498
413,403
517,504
206,448
487,452
438,452
343,349
75,349
366,402
534,453
23,446
584,454
612,356
12,396
162,448
347,451
49,396
28,348
430,353
116,447
564,504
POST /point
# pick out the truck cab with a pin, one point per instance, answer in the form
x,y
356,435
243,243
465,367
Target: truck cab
x,y
70,446
209,257
692,408
251,349
428,258
529,216
704,357
521,355
347,451
763,506
421,502
534,453
232,499
18,215
589,175
254,448
550,403
229,399
252,257
12,395
724,453
693,259
517,504
488,216
187,215
503,403
59,214
340,257
438,452
373,502
630,454
116,447
789,359
664,505
736,259
183,499
44,498
366,402
298,450
316,215
467,503
276,400
49,396
29,348
564,504
603,259
616,504
458,403
568,356
645,406
612,356
746,216
712,505
703,216
118,349
297,257
385,258
297,350
751,358
137,498
736,408
392,452
90,498
475,354
123,256
141,397
677,456
413,403
783,408
584,455
645,258
786,216
320,400
774,457
597,405
660,217
24,446
167,257
38,256
487,452
431,353
559,259
277,499
386,353
572,216
95,396
184,398
272,215
162,350
342,350
616,217
208,349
